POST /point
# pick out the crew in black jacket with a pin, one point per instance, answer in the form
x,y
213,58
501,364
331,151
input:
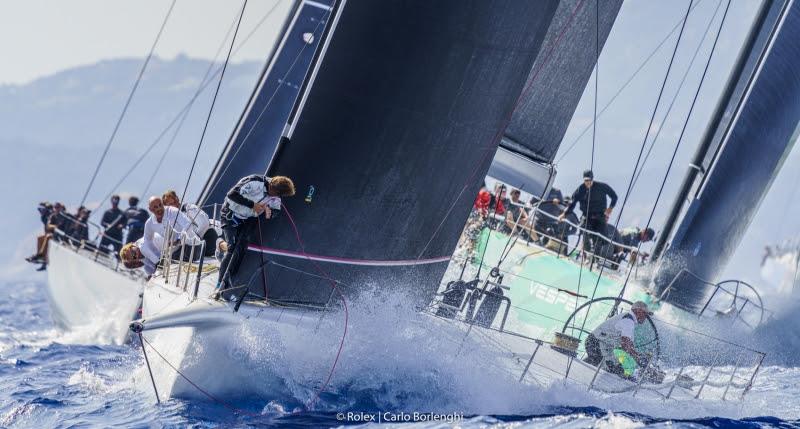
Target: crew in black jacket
x,y
136,217
251,197
113,221
592,198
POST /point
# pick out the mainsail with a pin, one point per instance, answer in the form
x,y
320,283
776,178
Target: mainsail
x,y
561,71
256,135
754,133
395,130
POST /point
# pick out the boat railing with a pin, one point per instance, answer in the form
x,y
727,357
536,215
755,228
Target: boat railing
x,y
715,380
97,254
561,248
741,296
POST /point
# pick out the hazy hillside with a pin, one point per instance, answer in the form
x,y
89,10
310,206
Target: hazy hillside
x,y
52,132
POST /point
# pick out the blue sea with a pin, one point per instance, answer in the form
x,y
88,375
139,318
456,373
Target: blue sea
x,y
54,379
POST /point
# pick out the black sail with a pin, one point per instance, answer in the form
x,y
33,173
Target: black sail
x,y
390,142
253,142
561,72
762,129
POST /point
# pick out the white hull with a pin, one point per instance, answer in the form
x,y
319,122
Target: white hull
x,y
231,355
90,296
223,353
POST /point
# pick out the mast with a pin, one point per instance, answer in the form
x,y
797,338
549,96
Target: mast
x,y
756,134
719,122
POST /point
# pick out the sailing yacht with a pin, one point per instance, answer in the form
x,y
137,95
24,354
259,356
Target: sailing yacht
x,y
388,142
88,291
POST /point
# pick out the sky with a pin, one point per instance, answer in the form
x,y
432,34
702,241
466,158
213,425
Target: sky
x,y
51,36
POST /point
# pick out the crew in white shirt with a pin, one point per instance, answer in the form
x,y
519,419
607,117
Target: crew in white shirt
x,y
616,333
199,219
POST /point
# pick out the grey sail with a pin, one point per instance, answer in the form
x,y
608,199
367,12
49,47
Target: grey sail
x,y
258,131
561,71
389,143
754,134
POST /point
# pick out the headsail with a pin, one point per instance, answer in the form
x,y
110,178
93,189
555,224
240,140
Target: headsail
x,y
561,71
756,132
391,139
255,137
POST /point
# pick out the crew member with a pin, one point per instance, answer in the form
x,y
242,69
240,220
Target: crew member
x,y
616,333
145,254
593,200
113,221
199,218
55,221
631,238
136,217
517,216
169,222
251,197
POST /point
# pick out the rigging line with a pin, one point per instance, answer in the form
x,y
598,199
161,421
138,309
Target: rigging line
x,y
335,287
127,103
641,150
164,154
677,92
492,149
594,133
213,103
624,85
683,131
197,93
195,385
191,104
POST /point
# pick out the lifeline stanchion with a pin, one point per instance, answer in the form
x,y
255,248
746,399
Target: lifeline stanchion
x,y
149,370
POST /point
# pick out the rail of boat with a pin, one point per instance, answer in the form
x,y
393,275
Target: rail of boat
x,y
543,362
730,297
90,250
736,296
562,248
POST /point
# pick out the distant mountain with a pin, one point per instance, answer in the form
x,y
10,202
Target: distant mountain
x,y
53,130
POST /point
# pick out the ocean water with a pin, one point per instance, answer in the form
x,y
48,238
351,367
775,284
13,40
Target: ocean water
x,y
50,378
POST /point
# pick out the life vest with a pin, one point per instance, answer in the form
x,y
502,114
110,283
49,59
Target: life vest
x,y
254,188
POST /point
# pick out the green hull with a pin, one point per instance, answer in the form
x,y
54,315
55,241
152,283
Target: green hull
x,y
543,286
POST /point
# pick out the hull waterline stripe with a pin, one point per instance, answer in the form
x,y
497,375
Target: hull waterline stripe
x,y
347,261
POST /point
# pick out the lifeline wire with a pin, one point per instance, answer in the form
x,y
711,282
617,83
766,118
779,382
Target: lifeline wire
x,y
127,103
644,143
